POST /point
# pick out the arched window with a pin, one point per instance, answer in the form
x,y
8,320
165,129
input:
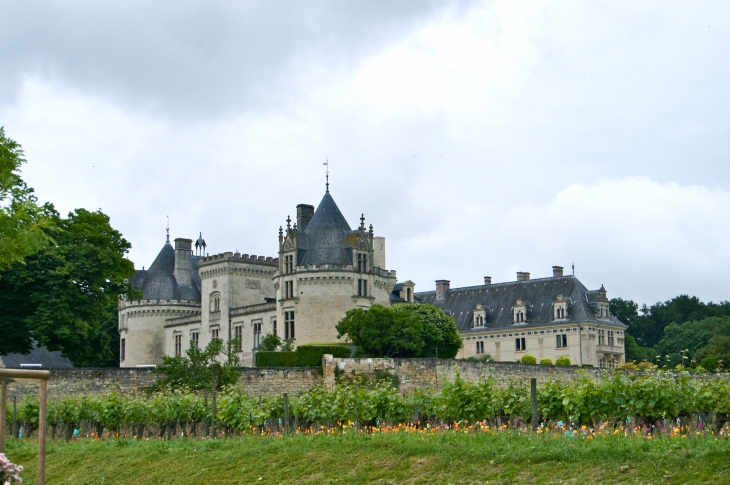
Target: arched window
x,y
215,302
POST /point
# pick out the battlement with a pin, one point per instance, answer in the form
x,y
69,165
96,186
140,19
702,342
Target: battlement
x,y
256,308
124,303
239,258
173,322
343,267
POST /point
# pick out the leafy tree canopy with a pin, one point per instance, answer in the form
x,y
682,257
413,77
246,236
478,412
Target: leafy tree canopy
x,y
404,330
270,343
209,369
24,225
65,295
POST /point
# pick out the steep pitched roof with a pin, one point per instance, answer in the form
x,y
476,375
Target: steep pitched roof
x,y
39,355
159,282
499,299
324,237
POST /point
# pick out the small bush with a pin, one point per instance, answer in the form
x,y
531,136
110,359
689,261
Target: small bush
x,y
528,359
711,363
628,366
645,365
563,360
546,361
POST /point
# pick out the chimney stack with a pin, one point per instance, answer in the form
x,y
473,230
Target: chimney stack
x,y
304,215
487,280
442,287
523,276
557,271
184,261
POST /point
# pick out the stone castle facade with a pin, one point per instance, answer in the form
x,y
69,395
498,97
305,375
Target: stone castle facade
x,y
323,269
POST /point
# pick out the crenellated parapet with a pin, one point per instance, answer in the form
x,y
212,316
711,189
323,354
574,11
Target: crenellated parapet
x,y
239,258
126,303
184,320
249,309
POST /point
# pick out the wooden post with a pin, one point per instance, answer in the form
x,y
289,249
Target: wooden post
x,y
533,394
286,413
213,416
3,410
15,417
205,419
42,434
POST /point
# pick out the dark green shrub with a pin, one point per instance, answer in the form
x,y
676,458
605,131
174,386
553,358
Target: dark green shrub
x,y
359,353
311,355
528,359
276,359
563,360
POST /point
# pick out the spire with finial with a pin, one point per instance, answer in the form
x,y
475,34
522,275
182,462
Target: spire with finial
x,y
362,222
371,229
168,228
327,174
573,265
200,245
288,223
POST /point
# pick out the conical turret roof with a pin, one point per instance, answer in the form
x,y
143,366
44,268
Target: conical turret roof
x,y
325,235
160,281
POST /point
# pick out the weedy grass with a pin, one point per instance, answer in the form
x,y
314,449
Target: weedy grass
x,y
413,458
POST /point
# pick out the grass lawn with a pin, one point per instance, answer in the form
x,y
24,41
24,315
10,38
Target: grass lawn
x,y
439,458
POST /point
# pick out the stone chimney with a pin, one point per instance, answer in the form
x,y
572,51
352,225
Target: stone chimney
x,y
523,276
557,271
304,215
442,287
487,280
184,261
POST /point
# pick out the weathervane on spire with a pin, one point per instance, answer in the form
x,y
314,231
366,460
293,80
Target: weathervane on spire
x,y
168,228
327,173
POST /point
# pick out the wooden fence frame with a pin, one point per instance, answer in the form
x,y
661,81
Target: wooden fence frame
x,y
6,375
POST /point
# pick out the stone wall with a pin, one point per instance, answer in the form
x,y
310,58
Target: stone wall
x,y
89,382
410,374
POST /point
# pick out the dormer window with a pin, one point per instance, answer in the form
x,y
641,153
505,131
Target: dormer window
x,y
560,308
480,316
520,312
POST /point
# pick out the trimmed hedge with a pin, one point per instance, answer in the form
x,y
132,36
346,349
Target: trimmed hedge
x,y
303,356
563,360
265,358
546,361
311,355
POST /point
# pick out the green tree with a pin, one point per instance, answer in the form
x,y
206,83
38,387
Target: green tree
x,y
380,331
717,350
692,336
441,337
65,295
209,369
24,225
404,330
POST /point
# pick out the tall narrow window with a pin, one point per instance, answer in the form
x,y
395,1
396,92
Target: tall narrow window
x,y
178,345
288,289
123,349
256,334
288,264
195,339
480,347
520,344
238,337
362,287
214,333
610,338
561,340
273,325
362,263
288,325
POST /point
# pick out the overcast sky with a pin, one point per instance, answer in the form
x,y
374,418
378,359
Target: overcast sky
x,y
480,138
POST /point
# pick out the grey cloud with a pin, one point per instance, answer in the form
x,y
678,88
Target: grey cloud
x,y
195,59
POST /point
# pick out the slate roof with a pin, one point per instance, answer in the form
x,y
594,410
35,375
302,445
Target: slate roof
x,y
158,282
39,355
499,299
323,241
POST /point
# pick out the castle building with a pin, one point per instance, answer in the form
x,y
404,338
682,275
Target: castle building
x,y
546,318
323,269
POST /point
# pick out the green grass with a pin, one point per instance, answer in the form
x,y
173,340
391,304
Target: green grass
x,y
441,458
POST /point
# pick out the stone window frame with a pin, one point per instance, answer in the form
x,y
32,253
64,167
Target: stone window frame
x,y
238,336
195,337
177,338
289,325
215,302
480,347
215,331
561,341
257,327
362,287
520,344
122,349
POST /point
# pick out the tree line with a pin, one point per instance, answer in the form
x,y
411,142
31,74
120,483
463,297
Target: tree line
x,y
681,331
